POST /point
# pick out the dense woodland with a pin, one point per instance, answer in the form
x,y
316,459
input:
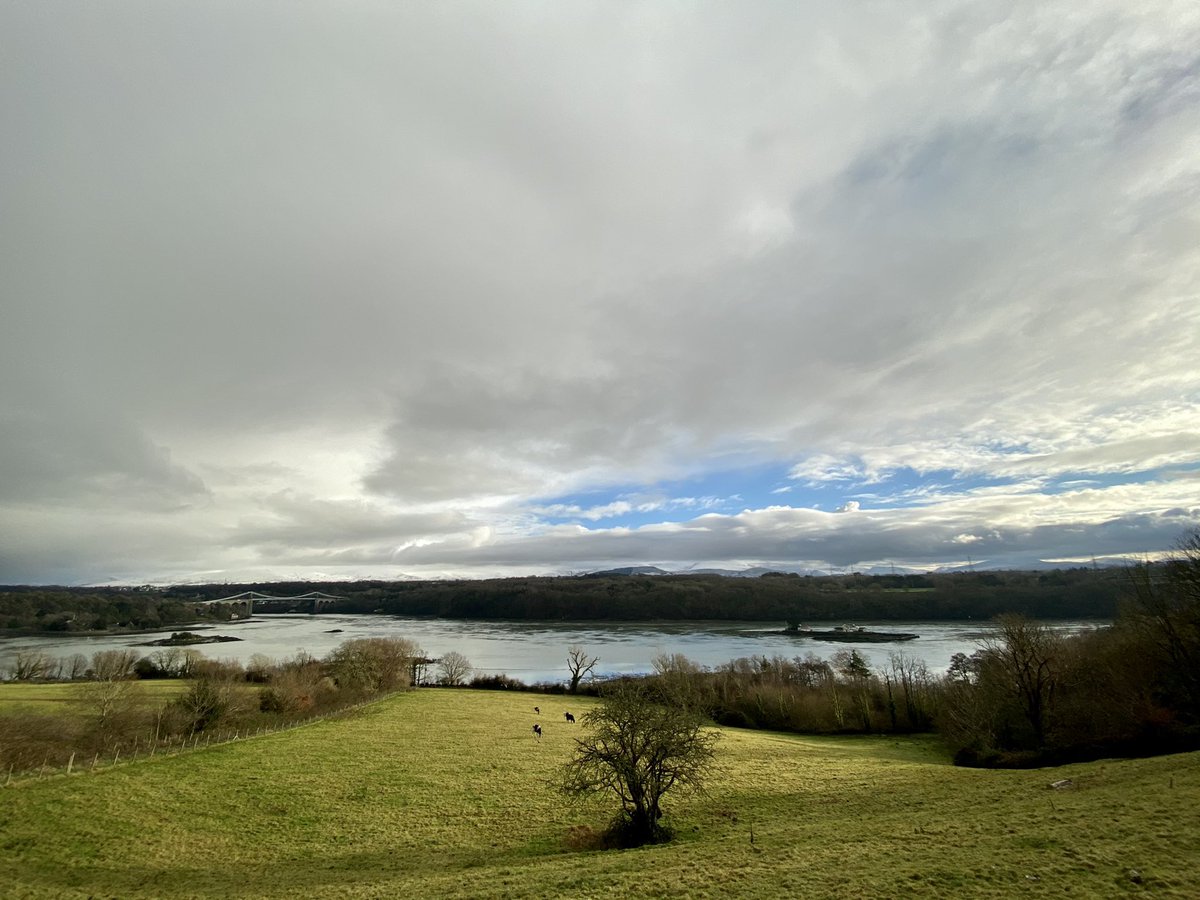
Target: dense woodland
x,y
1058,593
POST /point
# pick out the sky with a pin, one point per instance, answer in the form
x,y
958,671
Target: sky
x,y
378,290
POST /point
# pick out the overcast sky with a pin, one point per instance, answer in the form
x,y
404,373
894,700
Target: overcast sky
x,y
364,289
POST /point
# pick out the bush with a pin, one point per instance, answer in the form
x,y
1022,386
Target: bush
x,y
295,692
205,704
369,666
499,682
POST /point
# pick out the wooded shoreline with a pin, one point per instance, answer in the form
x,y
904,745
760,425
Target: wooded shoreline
x,y
1080,593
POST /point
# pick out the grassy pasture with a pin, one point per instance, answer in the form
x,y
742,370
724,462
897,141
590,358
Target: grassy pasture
x,y
62,698
444,793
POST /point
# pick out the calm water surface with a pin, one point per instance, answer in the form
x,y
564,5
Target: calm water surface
x,y
536,651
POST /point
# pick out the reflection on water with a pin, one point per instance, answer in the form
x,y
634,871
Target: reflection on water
x,y
537,651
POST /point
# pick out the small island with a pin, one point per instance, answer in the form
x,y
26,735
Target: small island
x,y
187,638
849,633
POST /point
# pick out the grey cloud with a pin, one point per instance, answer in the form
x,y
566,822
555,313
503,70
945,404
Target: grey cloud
x,y
467,433
505,252
288,521
783,536
69,453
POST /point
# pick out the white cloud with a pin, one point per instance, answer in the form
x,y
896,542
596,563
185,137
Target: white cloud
x,y
431,270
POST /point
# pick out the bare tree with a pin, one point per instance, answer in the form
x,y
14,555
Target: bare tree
x,y
638,750
110,704
169,661
579,664
76,666
1165,608
682,681
1025,654
454,668
111,698
916,685
112,665
31,665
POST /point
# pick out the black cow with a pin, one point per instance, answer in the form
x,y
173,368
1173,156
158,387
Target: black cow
x,y
538,710
537,730
570,718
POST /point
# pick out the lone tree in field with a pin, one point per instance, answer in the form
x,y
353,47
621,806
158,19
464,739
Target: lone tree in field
x,y
579,664
637,749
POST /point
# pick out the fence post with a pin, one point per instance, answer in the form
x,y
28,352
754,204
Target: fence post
x,y
116,756
70,763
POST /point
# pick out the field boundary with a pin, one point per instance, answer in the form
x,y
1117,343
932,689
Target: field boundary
x,y
149,749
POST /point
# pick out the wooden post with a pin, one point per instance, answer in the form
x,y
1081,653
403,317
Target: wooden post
x,y
70,763
95,759
116,756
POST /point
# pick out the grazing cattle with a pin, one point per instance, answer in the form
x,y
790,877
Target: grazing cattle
x,y
570,718
537,730
538,710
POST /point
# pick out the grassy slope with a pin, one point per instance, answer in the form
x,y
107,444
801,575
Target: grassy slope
x,y
440,793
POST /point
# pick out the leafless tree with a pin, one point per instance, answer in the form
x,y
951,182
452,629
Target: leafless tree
x,y
1026,653
76,666
31,665
579,664
1165,609
112,665
454,668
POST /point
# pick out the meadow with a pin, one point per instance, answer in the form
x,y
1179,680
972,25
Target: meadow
x,y
448,793
65,698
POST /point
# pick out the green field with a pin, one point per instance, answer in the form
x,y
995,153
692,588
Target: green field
x,y
63,698
442,793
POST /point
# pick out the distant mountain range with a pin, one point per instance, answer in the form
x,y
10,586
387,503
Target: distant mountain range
x,y
753,572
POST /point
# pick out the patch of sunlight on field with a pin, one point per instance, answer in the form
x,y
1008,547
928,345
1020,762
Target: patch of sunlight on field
x,y
447,793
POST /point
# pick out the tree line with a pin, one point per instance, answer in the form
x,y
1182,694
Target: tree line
x,y
1029,696
109,711
40,609
1061,593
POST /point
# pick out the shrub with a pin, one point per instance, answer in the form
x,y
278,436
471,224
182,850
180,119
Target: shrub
x,y
499,682
372,665
205,704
